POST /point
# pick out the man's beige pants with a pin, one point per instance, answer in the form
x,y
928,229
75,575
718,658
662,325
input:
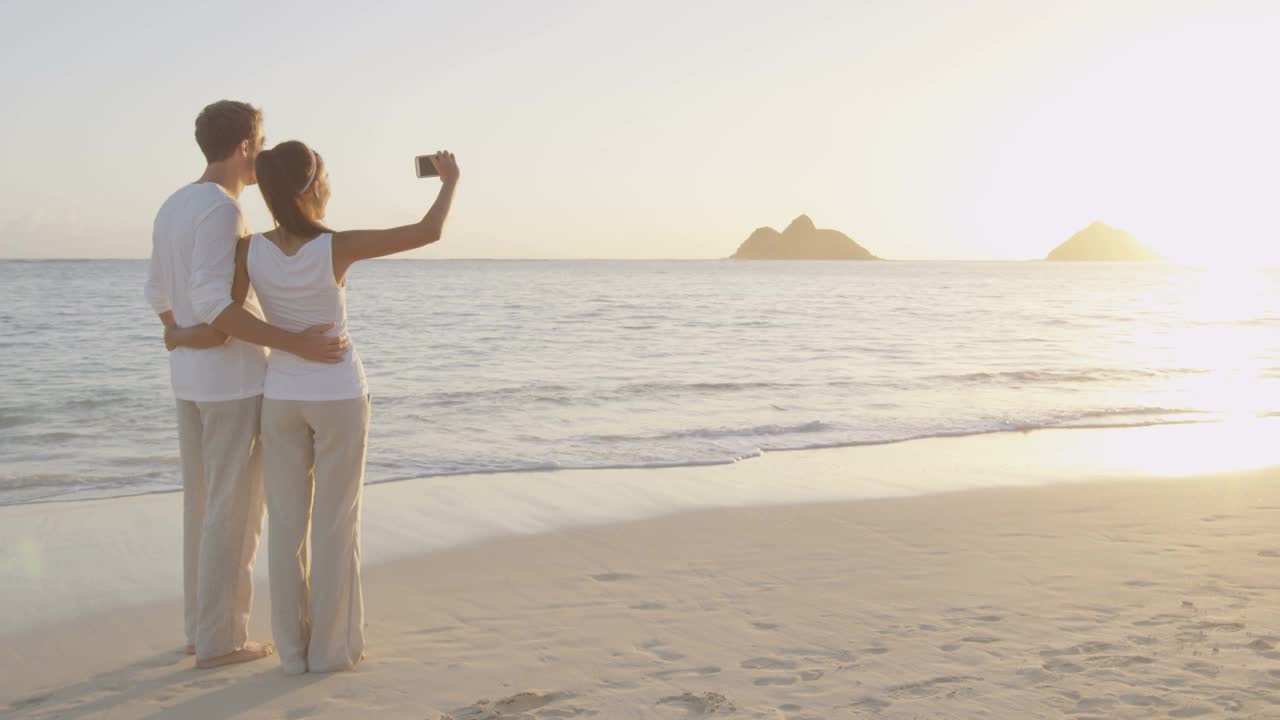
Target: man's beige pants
x,y
314,453
222,498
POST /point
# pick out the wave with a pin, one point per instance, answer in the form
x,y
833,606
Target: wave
x,y
527,393
1130,411
1120,418
554,394
538,467
813,426
562,395
1111,418
8,420
91,403
1065,376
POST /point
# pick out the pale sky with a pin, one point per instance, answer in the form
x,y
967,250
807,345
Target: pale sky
x,y
925,130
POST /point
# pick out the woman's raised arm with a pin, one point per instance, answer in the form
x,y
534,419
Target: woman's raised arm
x,y
352,245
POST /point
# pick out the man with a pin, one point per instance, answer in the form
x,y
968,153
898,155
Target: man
x,y
217,382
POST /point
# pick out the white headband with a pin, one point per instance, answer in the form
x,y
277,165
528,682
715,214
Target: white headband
x,y
315,167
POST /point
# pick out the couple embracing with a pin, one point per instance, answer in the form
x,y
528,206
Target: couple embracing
x,y
273,407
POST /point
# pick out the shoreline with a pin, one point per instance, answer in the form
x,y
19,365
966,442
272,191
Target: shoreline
x,y
121,551
712,463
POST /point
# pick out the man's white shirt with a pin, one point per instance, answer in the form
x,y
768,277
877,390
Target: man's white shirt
x,y
193,259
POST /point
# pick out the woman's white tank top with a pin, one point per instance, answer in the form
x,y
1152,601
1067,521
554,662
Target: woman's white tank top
x,y
295,292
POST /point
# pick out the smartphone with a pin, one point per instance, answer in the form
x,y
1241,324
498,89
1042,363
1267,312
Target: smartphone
x,y
425,168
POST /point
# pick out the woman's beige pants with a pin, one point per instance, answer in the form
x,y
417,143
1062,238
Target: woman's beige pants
x,y
313,453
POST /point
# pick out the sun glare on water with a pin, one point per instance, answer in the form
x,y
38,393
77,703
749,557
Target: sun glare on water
x,y
1241,444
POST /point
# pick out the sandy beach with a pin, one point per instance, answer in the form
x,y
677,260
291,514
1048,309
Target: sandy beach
x,y
1122,594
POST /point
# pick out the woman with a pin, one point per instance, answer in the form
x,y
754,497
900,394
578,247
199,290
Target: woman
x,y
315,416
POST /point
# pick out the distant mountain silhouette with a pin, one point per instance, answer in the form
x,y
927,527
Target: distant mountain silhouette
x,y
801,241
1102,242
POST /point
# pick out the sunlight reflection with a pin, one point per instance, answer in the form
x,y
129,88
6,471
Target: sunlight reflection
x,y
1211,348
1242,444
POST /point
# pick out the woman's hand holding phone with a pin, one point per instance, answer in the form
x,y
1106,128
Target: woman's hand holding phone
x,y
446,166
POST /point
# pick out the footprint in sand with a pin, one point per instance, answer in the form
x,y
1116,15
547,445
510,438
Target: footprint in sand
x,y
655,648
932,687
818,656
1201,668
613,577
1118,661
569,712
785,713
869,706
1085,648
28,702
1089,705
1190,711
1036,676
767,663
1162,619
1139,700
1058,665
1215,626
1228,703
700,706
697,671
515,707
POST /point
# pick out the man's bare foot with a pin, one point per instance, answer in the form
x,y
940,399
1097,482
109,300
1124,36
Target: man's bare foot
x,y
191,649
250,652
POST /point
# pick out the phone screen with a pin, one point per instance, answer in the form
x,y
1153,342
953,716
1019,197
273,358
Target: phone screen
x,y
425,168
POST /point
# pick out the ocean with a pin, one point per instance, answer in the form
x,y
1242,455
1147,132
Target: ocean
x,y
496,366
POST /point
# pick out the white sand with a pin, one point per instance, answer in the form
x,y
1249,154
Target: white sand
x,y
1113,598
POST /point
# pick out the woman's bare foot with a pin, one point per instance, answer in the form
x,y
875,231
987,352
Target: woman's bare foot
x,y
250,652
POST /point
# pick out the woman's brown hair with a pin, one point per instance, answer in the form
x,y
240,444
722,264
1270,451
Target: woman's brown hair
x,y
284,173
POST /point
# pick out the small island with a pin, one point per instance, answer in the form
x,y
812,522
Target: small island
x,y
1100,241
800,241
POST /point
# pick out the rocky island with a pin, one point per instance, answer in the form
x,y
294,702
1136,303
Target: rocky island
x,y
1100,241
801,241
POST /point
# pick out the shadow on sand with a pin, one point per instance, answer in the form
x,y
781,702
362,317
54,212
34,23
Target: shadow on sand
x,y
150,682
